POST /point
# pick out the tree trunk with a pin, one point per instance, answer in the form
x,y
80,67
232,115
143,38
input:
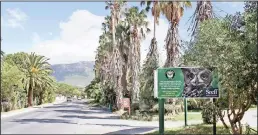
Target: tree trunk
x,y
154,28
30,95
41,96
136,59
172,47
124,73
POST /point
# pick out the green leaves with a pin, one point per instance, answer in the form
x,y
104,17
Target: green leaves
x,y
229,45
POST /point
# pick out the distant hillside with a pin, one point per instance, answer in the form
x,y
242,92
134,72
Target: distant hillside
x,y
78,74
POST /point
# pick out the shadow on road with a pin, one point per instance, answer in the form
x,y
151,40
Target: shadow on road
x,y
81,111
138,130
25,121
89,117
119,125
63,106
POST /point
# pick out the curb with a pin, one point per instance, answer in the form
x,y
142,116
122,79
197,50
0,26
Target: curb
x,y
26,110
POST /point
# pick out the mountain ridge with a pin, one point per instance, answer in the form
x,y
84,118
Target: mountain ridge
x,y
77,74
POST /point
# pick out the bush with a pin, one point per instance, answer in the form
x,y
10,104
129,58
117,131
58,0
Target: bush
x,y
169,108
207,113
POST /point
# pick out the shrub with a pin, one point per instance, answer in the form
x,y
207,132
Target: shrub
x,y
207,113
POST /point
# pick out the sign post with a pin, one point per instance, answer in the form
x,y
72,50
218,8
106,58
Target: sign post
x,y
185,109
214,118
191,82
161,116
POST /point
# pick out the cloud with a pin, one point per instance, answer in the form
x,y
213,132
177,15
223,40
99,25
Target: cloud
x,y
50,33
14,18
78,39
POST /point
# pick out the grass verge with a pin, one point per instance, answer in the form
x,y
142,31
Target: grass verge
x,y
197,129
155,117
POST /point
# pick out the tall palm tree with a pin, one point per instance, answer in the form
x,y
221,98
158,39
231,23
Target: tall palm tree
x,y
116,8
155,11
138,29
173,11
35,68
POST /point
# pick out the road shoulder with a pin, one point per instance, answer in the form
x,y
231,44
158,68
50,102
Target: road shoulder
x,y
29,109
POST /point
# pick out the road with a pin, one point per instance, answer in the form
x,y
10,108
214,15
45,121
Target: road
x,y
76,118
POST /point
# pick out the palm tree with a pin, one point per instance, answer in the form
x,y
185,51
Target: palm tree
x,y
115,61
138,29
173,11
155,11
203,11
36,68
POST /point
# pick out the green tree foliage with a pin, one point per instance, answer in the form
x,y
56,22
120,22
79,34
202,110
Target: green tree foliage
x,y
11,87
229,45
28,77
147,76
94,91
67,90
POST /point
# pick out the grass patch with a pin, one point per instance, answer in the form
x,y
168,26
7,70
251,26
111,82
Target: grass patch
x,y
190,116
155,117
196,129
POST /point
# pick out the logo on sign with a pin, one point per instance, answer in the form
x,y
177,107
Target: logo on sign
x,y
170,74
213,92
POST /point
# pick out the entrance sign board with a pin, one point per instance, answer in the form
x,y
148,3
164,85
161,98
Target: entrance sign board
x,y
188,82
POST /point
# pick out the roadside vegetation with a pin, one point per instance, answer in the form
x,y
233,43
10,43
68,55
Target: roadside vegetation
x,y
228,43
26,80
201,129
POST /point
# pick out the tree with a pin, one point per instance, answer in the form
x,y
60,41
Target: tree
x,y
216,38
16,59
138,29
173,11
115,61
155,11
147,77
11,86
36,68
203,11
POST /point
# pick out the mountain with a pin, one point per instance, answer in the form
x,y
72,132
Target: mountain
x,y
77,74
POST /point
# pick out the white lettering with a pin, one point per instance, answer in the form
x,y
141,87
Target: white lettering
x,y
214,92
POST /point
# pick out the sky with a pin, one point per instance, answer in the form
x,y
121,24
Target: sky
x,y
68,32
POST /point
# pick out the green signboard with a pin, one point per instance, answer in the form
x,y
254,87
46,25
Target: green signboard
x,y
186,82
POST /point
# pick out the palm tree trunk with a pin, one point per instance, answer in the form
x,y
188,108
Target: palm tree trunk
x,y
172,47
136,59
154,29
30,95
41,96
